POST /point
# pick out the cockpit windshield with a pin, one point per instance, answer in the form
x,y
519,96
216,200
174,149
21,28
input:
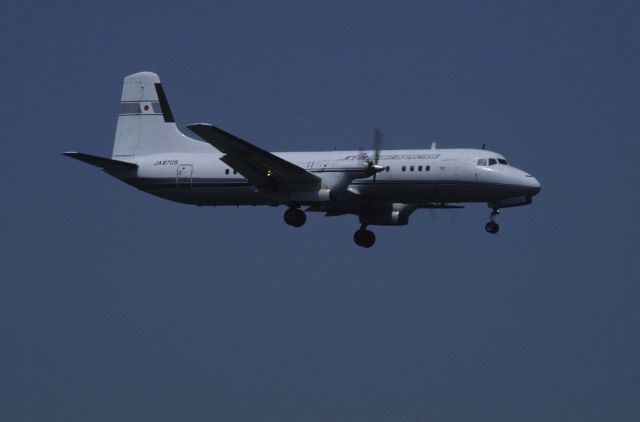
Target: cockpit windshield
x,y
491,161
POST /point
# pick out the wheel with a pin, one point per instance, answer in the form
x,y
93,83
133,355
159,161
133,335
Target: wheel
x,y
364,238
295,217
492,227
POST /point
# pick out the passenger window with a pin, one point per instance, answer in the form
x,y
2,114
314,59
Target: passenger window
x,y
386,168
419,168
226,171
492,161
411,168
482,162
427,168
404,168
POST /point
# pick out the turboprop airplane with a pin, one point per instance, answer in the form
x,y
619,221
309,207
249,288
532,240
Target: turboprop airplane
x,y
381,187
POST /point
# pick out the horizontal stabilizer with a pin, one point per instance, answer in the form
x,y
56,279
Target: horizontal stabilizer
x,y
101,162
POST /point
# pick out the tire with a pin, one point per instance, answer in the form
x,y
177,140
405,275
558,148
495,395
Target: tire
x,y
364,238
295,217
492,227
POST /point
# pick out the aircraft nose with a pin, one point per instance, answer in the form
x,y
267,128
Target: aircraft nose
x,y
531,184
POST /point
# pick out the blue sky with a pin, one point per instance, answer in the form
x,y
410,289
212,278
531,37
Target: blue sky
x,y
116,305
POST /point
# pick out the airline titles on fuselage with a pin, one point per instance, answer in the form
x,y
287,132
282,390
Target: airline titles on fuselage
x,y
365,156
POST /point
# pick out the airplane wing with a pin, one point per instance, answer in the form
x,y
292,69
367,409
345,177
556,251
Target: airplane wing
x,y
260,167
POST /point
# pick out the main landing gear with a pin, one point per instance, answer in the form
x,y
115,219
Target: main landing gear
x,y
364,237
493,227
295,217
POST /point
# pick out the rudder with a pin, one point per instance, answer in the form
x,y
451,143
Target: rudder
x,y
145,122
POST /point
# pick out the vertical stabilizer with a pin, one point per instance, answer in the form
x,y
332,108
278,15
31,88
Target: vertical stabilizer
x,y
145,122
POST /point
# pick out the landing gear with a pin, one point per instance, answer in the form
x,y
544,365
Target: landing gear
x,y
364,237
493,227
295,217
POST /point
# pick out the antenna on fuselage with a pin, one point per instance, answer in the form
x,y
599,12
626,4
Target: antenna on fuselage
x,y
484,146
433,145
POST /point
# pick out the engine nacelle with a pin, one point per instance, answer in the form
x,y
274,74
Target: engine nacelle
x,y
307,196
387,218
358,167
336,175
398,215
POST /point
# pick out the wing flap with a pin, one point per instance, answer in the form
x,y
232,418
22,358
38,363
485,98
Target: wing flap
x,y
260,167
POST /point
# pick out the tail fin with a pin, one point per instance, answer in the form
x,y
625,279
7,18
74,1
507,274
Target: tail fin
x,y
145,122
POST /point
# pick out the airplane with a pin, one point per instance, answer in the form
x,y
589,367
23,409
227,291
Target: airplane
x,y
380,187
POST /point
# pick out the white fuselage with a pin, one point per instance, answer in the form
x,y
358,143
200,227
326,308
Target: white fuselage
x,y
410,176
380,187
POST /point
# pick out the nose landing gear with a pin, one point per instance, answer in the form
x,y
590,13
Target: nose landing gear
x,y
295,217
493,227
364,237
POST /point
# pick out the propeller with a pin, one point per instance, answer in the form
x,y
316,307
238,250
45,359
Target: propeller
x,y
374,167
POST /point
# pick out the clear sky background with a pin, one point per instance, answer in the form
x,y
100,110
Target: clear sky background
x,y
116,305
